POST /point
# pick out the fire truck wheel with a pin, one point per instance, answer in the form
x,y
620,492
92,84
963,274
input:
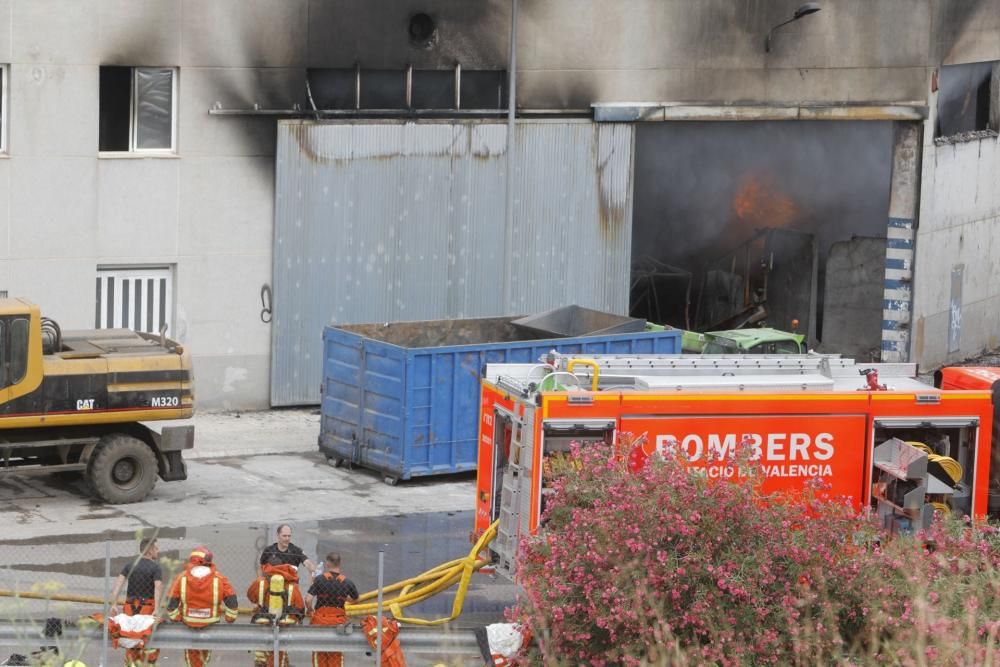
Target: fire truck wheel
x,y
123,469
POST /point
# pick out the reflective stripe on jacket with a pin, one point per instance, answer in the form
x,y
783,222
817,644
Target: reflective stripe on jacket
x,y
194,610
198,601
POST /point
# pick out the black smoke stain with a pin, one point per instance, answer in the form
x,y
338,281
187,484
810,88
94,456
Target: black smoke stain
x,y
475,34
377,34
137,39
950,22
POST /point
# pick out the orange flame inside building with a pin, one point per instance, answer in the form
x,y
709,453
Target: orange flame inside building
x,y
757,205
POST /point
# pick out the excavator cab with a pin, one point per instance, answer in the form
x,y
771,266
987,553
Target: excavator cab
x,y
20,349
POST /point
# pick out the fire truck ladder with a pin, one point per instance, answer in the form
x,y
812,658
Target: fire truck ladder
x,y
621,366
789,373
515,495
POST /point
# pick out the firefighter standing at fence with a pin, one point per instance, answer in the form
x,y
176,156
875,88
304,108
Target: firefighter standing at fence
x,y
327,596
142,595
199,597
278,601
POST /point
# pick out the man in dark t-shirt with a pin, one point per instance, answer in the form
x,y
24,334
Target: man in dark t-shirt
x,y
327,596
142,596
145,582
286,552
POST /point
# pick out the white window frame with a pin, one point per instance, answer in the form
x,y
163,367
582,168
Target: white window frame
x,y
4,106
134,272
133,126
134,110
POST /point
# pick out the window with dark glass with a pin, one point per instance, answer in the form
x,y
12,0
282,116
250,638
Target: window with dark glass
x,y
19,328
3,354
14,333
3,108
963,102
407,89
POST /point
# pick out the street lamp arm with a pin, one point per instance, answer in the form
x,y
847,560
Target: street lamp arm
x,y
767,40
805,10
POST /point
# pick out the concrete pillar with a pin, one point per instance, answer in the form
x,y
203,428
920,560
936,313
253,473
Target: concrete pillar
x,y
904,200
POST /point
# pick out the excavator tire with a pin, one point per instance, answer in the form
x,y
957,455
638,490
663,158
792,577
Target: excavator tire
x,y
122,470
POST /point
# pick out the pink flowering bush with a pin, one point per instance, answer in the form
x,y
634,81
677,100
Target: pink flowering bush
x,y
668,567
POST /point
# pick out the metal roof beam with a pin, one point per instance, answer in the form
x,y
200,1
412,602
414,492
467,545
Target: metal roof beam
x,y
628,112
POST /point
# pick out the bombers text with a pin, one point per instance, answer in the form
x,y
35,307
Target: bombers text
x,y
772,447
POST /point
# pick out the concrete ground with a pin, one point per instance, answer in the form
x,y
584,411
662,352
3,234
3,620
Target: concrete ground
x,y
252,467
282,431
247,473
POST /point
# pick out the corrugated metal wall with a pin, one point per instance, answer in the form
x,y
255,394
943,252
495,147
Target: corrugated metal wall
x,y
379,221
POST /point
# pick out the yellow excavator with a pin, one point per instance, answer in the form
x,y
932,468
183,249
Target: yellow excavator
x,y
76,402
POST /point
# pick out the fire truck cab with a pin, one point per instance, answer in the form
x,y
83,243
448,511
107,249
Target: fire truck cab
x,y
873,433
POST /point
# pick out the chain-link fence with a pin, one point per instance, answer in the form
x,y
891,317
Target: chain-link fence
x,y
70,577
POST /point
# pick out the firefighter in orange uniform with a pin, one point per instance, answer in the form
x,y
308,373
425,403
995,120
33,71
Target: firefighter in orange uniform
x,y
327,596
392,652
201,596
278,601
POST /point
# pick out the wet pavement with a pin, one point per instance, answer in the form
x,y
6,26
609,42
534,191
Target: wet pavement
x,y
411,544
227,491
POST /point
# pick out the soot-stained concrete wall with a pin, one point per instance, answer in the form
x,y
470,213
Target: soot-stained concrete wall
x,y
852,314
208,210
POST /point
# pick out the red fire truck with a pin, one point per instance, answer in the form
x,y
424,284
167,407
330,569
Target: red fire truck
x,y
865,430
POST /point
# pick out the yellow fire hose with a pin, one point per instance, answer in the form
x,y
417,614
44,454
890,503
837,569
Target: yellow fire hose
x,y
411,591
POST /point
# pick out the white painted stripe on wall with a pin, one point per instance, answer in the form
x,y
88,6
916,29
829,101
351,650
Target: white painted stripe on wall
x,y
894,334
899,274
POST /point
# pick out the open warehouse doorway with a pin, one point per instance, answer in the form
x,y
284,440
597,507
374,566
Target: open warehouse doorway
x,y
756,223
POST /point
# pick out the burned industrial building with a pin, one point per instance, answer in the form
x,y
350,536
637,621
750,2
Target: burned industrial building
x,y
710,164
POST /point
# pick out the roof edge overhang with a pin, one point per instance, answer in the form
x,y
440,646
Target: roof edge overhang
x,y
631,112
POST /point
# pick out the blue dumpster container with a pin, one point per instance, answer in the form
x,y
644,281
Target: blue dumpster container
x,y
403,398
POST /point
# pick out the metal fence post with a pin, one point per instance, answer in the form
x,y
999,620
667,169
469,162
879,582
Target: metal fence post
x,y
277,645
378,625
107,603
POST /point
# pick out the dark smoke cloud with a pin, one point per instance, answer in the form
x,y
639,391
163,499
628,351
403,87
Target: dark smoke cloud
x,y
835,175
830,179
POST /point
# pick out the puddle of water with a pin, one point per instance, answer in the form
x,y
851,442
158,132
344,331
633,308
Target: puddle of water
x,y
411,544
